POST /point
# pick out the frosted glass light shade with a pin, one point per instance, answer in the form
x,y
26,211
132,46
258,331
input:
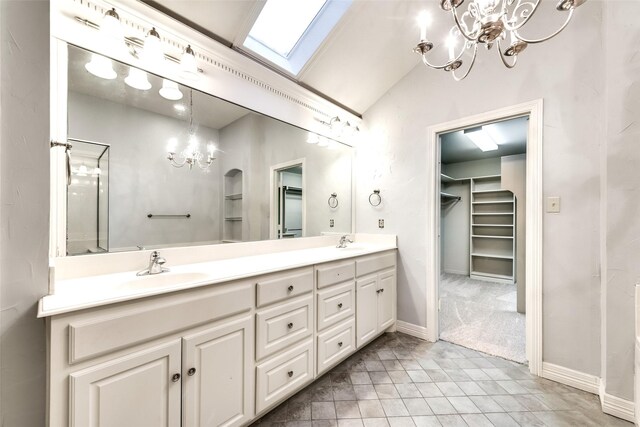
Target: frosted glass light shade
x,y
188,65
137,79
101,66
170,90
152,52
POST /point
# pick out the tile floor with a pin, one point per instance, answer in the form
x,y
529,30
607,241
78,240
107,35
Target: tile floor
x,y
401,381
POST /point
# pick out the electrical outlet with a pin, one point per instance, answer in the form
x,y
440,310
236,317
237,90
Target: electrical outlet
x,y
381,223
553,204
331,223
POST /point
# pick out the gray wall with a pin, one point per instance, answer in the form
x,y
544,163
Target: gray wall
x,y
620,162
472,168
24,212
141,179
455,223
568,73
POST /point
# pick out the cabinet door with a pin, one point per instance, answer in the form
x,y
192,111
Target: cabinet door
x,y
218,375
386,299
366,309
136,390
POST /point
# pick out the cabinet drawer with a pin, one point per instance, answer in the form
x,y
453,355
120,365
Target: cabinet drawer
x,y
278,287
338,272
281,326
335,304
336,344
282,375
375,263
115,328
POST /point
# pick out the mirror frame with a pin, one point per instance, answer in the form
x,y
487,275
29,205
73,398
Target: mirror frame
x,y
227,75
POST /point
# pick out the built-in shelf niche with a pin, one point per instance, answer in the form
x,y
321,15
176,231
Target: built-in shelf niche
x,y
492,239
233,206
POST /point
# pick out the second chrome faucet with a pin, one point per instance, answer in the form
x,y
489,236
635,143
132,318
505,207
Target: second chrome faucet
x,y
156,263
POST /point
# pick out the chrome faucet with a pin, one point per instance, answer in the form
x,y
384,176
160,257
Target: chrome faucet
x,y
343,241
156,263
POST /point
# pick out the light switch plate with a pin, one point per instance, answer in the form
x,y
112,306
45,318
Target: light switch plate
x,y
381,223
331,223
553,204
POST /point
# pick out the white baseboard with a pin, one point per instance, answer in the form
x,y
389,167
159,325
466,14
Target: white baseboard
x,y
566,376
463,273
616,406
411,329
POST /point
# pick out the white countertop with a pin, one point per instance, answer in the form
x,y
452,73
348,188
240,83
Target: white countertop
x,y
92,291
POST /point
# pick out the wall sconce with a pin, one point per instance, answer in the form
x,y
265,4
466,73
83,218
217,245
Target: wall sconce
x,y
341,128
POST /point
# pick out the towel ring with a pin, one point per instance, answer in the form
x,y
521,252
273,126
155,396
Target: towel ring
x,y
333,201
374,198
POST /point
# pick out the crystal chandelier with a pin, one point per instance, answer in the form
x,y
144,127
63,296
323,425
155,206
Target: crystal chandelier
x,y
191,155
488,22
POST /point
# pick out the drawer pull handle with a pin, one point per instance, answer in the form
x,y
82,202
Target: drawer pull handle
x,y
175,378
290,288
290,373
340,344
378,291
339,305
191,372
382,290
290,325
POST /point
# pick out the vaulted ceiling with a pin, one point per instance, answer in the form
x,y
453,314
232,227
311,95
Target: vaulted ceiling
x,y
363,57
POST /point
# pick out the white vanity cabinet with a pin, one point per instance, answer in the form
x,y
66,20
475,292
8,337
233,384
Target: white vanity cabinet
x,y
216,355
180,359
376,295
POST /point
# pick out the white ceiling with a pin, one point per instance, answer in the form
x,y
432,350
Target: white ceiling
x,y
364,56
510,135
208,110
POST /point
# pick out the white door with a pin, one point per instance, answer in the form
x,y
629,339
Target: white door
x,y
141,390
386,305
366,309
218,375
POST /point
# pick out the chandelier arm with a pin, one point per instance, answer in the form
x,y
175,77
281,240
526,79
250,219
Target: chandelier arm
x,y
473,61
544,39
457,58
457,21
504,61
525,20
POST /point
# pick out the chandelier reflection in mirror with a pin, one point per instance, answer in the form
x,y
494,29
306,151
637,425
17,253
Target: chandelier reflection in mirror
x,y
191,155
488,22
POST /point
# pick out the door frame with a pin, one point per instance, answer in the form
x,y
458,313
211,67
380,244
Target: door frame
x,y
273,193
534,212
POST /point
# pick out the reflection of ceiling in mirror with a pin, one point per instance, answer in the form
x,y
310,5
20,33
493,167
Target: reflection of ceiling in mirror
x,y
207,110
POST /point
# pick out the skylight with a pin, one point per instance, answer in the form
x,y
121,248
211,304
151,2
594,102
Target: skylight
x,y
283,22
288,32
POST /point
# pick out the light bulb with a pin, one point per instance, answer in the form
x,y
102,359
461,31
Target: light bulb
x,y
172,144
312,138
424,20
451,43
137,79
188,66
170,90
152,53
211,149
101,66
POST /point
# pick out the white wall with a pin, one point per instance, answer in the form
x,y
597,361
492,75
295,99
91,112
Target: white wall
x,y
24,216
472,168
621,192
142,181
568,73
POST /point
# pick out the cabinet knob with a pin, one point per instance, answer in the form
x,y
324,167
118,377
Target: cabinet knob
x,y
339,305
191,372
290,288
290,325
382,290
290,373
340,344
378,291
175,378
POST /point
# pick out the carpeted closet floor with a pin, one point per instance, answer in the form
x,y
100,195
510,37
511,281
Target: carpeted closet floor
x,y
482,316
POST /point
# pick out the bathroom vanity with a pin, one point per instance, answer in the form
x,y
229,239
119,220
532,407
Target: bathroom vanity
x,y
213,343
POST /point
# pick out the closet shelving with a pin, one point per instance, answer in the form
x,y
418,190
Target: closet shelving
x,y
492,239
232,227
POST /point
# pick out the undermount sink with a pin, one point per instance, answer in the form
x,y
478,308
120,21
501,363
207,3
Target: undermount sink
x,y
354,247
161,280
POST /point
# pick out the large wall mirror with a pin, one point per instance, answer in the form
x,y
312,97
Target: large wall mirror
x,y
156,164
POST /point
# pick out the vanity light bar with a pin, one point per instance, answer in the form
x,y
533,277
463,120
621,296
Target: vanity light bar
x,y
132,42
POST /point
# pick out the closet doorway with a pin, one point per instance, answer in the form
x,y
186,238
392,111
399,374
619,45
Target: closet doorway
x,y
482,238
533,217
